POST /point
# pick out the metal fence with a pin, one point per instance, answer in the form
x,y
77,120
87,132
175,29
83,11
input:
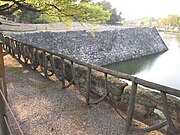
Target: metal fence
x,y
35,56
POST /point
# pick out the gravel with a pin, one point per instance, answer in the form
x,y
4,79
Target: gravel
x,y
43,108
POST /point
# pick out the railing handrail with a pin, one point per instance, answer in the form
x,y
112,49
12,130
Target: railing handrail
x,y
11,112
32,54
148,84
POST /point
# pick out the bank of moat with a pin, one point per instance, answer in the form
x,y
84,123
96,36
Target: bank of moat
x,y
98,47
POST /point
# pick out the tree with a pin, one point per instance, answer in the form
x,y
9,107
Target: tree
x,y
115,18
66,10
173,20
28,16
170,20
163,22
105,4
146,22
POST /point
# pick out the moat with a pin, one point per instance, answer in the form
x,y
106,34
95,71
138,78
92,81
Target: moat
x,y
163,68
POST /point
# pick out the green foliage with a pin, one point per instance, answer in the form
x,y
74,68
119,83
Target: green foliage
x,y
169,23
146,22
15,70
54,10
27,16
170,20
43,85
105,5
44,18
93,13
35,17
115,18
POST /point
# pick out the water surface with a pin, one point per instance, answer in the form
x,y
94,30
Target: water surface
x,y
162,68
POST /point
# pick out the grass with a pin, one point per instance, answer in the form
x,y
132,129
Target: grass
x,y
67,106
15,70
43,85
79,120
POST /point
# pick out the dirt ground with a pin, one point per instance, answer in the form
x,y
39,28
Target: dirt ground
x,y
43,108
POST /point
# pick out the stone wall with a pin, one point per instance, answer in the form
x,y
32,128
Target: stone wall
x,y
98,47
146,101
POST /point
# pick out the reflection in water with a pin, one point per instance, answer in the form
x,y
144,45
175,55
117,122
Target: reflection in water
x,y
178,39
134,66
161,68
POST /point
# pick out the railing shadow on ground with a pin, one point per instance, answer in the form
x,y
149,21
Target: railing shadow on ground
x,y
5,127
53,63
5,116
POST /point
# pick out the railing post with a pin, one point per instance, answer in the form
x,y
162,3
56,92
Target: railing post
x,y
4,129
45,64
131,105
167,114
62,73
88,85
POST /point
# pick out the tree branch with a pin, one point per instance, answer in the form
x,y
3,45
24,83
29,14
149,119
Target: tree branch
x,y
8,10
5,7
25,6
